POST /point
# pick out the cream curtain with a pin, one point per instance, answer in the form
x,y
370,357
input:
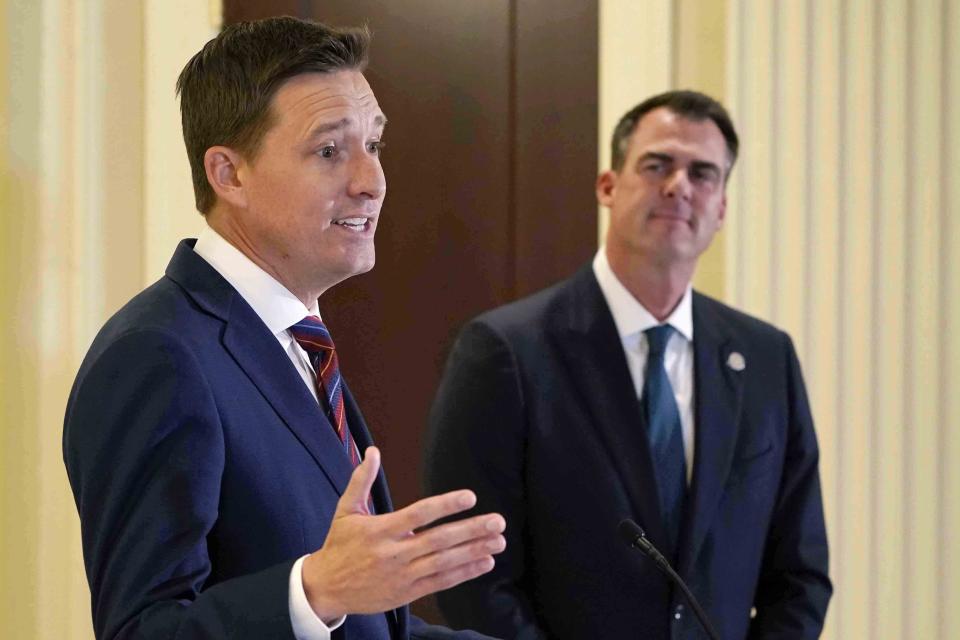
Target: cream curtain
x,y
843,229
94,192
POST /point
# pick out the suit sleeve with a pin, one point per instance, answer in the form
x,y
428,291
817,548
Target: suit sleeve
x,y
794,588
476,441
144,451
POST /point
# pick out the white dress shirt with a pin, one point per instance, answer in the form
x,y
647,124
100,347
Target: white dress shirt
x,y
632,319
279,309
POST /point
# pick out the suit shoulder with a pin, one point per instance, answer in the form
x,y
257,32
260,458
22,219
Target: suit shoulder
x,y
155,337
526,314
162,306
738,322
162,310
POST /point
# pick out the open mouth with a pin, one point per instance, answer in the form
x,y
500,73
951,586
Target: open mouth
x,y
354,224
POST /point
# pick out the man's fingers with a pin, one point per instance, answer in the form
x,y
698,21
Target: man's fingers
x,y
454,534
423,512
452,577
451,557
355,496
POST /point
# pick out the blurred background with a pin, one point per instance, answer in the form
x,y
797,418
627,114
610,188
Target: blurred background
x,y
843,228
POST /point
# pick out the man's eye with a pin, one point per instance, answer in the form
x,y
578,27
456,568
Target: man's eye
x,y
653,167
327,151
703,175
376,146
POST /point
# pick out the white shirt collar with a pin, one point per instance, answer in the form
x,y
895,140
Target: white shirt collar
x,y
277,307
629,315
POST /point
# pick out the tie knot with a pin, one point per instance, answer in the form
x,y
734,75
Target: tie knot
x,y
311,334
657,338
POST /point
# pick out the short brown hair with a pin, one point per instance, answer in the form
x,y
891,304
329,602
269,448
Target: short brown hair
x,y
225,90
692,105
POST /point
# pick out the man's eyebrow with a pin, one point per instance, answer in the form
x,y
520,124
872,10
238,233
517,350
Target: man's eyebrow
x,y
335,125
327,127
654,155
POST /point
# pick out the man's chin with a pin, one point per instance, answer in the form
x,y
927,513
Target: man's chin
x,y
359,266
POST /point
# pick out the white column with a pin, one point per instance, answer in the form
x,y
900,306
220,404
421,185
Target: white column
x,y
79,229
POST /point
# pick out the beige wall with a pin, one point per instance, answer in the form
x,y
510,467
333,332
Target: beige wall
x,y
94,192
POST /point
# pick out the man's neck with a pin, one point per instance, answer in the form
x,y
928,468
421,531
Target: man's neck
x,y
659,288
235,236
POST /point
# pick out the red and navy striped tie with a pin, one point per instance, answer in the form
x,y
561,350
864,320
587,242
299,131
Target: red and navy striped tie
x,y
311,334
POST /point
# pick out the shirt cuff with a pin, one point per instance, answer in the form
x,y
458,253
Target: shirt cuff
x,y
306,624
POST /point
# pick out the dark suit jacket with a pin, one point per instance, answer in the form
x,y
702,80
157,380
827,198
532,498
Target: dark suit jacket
x,y
538,414
202,467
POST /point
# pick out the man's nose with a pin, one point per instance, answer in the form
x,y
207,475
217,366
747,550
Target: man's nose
x,y
678,185
366,177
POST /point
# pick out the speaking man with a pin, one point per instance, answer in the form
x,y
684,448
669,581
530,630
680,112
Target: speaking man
x,y
225,479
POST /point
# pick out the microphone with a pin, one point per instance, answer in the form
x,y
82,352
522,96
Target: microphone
x,y
634,536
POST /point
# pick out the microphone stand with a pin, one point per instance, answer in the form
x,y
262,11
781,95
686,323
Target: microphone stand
x,y
635,537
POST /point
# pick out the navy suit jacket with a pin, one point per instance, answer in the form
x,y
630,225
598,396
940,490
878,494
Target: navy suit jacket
x,y
202,467
538,414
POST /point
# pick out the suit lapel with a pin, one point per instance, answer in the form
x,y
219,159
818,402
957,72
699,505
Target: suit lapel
x,y
718,393
257,352
397,618
589,344
363,439
283,388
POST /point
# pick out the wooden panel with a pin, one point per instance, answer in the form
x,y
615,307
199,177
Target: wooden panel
x,y
554,144
238,10
490,164
443,251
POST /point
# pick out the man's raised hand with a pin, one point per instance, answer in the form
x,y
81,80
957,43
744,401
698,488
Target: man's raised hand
x,y
370,564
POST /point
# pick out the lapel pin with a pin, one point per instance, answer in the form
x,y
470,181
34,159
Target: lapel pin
x,y
736,361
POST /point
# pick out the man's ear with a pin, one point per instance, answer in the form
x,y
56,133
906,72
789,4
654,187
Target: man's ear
x,y
223,165
723,211
606,184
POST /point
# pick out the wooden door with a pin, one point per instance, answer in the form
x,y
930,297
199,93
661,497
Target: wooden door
x,y
490,161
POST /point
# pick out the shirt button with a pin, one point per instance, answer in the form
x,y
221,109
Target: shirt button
x,y
678,613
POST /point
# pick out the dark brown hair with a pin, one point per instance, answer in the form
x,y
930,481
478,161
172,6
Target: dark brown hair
x,y
692,105
225,90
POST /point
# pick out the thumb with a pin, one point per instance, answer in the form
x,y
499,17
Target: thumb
x,y
355,496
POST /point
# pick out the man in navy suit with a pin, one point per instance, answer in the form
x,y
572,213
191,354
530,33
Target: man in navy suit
x,y
621,393
213,450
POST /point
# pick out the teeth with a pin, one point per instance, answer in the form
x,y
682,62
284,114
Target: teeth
x,y
352,222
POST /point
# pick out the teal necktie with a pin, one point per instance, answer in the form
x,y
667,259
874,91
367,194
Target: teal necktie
x,y
665,435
